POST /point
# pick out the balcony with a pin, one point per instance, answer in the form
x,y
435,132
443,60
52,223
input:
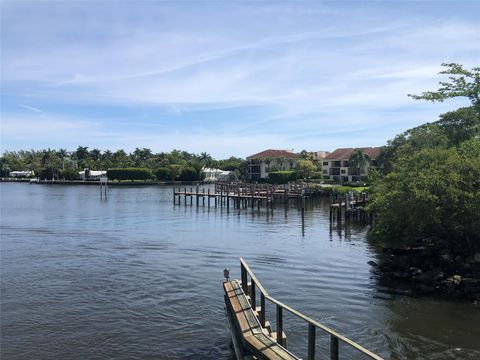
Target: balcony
x,y
334,171
354,171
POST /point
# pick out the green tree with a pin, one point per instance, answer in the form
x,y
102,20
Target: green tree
x,y
433,194
82,153
460,125
140,156
431,190
188,174
359,160
206,159
175,171
268,161
4,167
95,154
462,83
421,137
305,168
120,159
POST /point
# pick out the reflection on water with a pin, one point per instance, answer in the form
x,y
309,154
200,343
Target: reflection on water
x,y
134,276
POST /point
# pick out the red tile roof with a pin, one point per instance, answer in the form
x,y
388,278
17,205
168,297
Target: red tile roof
x,y
372,152
346,153
273,154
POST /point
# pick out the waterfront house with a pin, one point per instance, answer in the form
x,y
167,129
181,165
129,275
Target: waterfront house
x,y
21,174
335,165
215,174
88,174
260,164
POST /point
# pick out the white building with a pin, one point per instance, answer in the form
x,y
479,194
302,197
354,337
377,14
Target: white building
x,y
215,174
21,174
260,164
335,165
88,174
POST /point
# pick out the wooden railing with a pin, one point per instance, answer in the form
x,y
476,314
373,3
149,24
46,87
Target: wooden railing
x,y
312,324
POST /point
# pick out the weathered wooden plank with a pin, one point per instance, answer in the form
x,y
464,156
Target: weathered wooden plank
x,y
254,337
266,347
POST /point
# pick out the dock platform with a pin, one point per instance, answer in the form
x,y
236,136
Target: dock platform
x,y
251,337
252,334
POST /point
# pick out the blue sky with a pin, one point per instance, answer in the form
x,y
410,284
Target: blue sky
x,y
228,78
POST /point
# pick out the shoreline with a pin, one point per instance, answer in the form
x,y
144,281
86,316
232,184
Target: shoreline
x,y
110,183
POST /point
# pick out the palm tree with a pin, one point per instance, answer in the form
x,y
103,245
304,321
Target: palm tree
x,y
95,154
120,158
62,154
268,161
81,153
358,160
206,159
140,156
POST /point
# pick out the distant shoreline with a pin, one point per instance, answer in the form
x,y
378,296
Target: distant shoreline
x,y
97,183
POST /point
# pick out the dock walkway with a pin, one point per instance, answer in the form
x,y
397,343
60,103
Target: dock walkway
x,y
244,195
252,335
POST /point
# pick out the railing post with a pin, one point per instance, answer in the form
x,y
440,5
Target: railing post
x,y
262,309
253,301
311,342
333,348
244,278
279,325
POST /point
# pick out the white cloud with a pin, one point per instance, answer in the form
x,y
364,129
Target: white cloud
x,y
305,65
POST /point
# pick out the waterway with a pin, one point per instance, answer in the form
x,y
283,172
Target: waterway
x,y
135,277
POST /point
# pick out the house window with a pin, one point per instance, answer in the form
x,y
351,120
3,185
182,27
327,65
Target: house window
x,y
325,171
343,171
325,163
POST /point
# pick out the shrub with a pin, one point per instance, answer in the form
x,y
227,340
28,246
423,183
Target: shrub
x,y
431,194
354,184
282,177
306,168
70,174
162,174
189,174
175,171
46,173
130,174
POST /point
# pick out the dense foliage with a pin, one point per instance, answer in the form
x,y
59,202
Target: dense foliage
x,y
306,169
433,193
429,191
282,177
63,164
130,174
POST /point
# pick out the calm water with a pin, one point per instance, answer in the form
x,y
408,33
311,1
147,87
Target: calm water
x,y
134,277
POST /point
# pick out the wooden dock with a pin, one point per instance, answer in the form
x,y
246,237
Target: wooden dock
x,y
252,335
349,206
245,195
300,195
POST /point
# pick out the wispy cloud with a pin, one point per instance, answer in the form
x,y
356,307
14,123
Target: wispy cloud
x,y
228,70
34,109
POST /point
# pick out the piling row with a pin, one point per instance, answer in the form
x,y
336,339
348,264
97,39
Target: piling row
x,y
351,206
239,195
244,195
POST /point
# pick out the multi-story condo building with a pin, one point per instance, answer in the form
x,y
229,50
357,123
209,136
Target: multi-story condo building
x,y
336,167
259,165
